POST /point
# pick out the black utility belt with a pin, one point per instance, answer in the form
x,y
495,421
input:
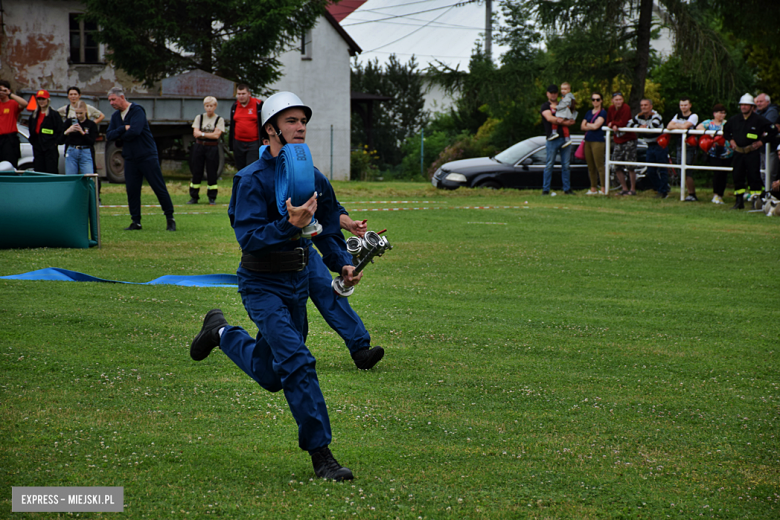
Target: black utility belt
x,y
207,142
79,146
280,262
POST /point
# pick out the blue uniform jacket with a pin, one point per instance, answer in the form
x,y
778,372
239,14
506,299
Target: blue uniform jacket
x,y
138,142
260,228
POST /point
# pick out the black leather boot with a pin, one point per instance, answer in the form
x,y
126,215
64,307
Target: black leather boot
x,y
366,358
740,204
208,337
325,466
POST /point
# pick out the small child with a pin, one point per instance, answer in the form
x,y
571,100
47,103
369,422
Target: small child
x,y
566,110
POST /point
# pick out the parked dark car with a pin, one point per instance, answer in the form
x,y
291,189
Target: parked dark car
x,y
520,166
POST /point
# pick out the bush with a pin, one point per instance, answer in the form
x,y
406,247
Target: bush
x,y
435,143
479,145
363,164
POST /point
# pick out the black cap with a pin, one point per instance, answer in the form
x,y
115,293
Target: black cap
x,y
552,89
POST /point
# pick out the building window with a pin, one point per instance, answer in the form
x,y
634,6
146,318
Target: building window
x,y
83,47
306,46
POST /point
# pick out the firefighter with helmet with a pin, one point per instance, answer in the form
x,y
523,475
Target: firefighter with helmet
x,y
273,280
747,132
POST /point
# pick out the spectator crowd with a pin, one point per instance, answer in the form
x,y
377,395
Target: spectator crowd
x,y
737,141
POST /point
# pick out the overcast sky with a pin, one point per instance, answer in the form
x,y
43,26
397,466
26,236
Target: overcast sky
x,y
429,29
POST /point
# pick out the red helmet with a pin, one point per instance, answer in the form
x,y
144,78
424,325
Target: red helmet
x,y
663,140
691,140
705,143
720,140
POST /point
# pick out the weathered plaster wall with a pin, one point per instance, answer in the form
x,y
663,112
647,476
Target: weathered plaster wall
x,y
36,47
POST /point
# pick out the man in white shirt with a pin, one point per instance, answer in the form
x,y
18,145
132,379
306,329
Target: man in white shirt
x,y
686,120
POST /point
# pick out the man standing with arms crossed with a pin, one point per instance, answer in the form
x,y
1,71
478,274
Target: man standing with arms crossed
x,y
746,134
649,118
768,110
139,151
11,106
686,120
245,128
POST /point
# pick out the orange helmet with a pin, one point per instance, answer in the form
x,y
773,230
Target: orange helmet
x,y
705,143
663,140
691,140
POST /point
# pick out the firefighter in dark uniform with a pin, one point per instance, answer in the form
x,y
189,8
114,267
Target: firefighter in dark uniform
x,y
207,129
747,132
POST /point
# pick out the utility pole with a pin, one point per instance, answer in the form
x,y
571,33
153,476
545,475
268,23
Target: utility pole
x,y
489,29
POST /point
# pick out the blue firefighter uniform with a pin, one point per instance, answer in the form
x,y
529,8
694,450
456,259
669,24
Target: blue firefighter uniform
x,y
336,310
278,358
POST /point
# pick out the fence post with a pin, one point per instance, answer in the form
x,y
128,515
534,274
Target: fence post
x,y
683,149
767,173
607,161
422,151
331,153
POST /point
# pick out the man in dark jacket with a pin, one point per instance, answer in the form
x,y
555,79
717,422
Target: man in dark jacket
x,y
139,151
46,129
245,128
769,111
747,132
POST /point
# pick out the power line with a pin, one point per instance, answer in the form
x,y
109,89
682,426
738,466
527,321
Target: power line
x,y
439,25
416,30
448,7
417,54
397,5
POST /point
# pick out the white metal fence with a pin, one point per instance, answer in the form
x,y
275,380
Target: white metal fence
x,y
682,166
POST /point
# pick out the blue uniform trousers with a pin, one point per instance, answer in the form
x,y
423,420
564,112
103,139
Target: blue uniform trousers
x,y
278,359
336,310
135,171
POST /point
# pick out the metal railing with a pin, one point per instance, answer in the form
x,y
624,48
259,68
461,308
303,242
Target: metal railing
x,y
683,167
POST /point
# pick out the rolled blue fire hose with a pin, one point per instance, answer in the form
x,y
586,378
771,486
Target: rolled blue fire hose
x,y
294,176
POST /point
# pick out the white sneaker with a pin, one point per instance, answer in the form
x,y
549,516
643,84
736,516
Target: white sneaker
x,y
591,192
716,199
553,136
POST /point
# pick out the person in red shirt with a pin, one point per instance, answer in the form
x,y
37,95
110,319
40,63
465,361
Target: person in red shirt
x,y
245,128
11,106
618,116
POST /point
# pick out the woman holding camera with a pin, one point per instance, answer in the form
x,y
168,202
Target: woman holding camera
x,y
79,140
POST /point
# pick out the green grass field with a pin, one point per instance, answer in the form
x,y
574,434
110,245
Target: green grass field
x,y
566,357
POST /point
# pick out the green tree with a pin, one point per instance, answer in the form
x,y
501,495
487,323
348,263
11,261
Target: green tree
x,y
507,94
393,120
235,39
623,29
755,23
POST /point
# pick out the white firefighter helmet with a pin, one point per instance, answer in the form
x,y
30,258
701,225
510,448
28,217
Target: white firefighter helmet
x,y
747,99
279,102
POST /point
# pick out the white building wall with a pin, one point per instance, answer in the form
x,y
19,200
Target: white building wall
x,y
436,99
323,83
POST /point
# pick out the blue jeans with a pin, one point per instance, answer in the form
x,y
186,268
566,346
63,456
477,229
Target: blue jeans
x,y
78,161
553,148
658,176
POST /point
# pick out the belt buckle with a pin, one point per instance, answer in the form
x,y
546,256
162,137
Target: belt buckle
x,y
302,254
